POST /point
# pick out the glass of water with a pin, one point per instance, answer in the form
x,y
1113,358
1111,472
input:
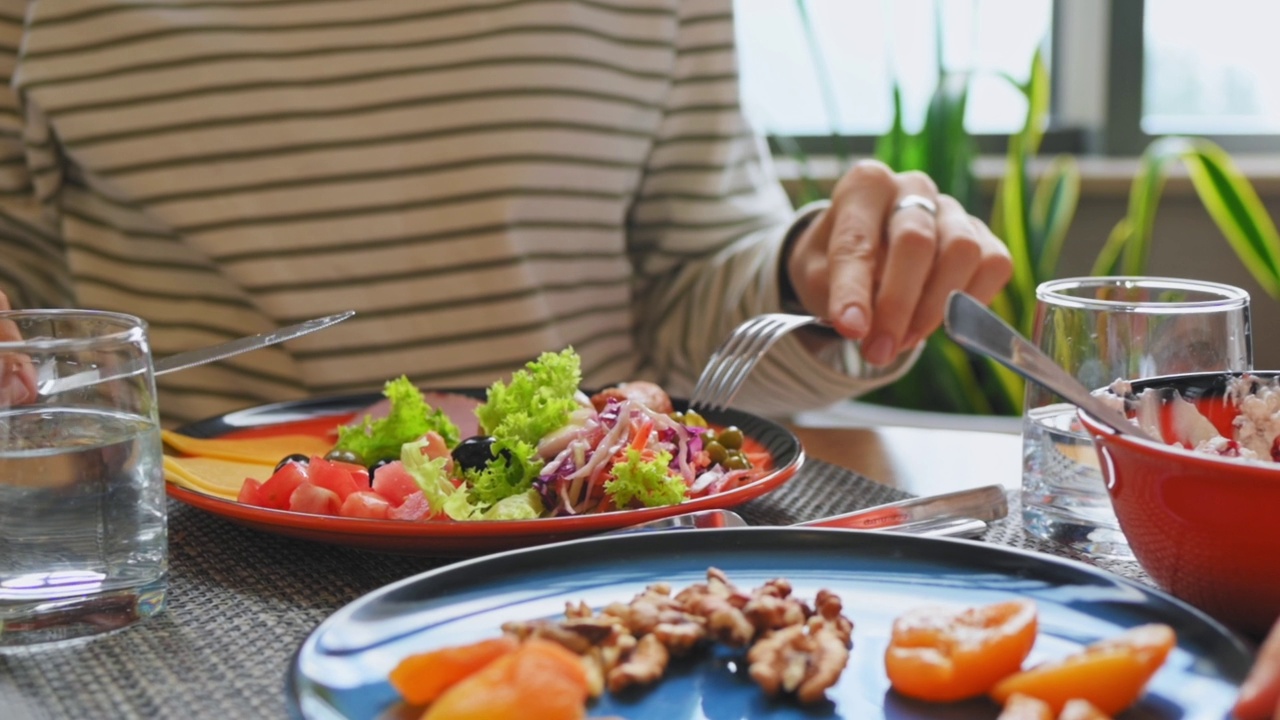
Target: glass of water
x,y
83,546
1101,329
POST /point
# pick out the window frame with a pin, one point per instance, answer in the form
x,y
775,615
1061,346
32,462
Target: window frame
x,y
1113,130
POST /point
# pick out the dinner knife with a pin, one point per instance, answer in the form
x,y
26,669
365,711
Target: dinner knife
x,y
47,385
962,512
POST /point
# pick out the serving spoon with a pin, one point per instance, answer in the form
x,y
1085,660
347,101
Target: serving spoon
x,y
973,326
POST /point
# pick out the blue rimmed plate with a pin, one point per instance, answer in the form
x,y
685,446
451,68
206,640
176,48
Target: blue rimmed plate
x,y
340,671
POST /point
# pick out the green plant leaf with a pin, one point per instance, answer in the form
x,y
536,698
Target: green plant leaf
x,y
1144,198
1038,92
1108,260
948,147
1238,212
1013,224
892,148
1052,209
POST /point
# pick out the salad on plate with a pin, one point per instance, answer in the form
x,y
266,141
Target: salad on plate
x,y
543,448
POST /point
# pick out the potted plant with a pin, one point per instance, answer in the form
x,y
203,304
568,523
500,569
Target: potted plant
x,y
1033,214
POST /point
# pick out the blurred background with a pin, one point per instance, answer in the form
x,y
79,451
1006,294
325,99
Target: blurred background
x,y
1099,137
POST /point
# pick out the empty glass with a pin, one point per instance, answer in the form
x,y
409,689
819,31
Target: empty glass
x,y
82,505
1101,329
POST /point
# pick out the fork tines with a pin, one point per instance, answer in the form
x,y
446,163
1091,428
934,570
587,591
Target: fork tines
x,y
737,356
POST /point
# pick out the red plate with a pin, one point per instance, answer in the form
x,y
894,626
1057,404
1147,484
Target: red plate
x,y
455,538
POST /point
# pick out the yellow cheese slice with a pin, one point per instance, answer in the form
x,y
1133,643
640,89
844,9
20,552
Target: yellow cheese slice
x,y
259,451
213,476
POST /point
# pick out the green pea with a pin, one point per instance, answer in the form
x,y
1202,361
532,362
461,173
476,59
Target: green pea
x,y
678,417
731,438
737,461
693,418
716,452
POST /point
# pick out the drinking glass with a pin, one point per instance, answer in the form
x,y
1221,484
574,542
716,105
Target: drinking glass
x,y
1101,329
83,545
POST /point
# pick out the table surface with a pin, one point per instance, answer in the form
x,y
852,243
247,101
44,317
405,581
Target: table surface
x,y
920,461
241,601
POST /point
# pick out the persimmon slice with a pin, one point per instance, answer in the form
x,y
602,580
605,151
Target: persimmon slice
x,y
540,680
1110,674
421,678
942,655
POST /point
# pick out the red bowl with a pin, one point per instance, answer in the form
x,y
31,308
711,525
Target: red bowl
x,y
1206,528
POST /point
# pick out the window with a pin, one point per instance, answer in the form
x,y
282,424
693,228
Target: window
x,y
861,46
1211,72
1123,71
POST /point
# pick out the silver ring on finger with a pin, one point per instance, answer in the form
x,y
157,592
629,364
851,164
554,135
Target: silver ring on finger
x,y
917,201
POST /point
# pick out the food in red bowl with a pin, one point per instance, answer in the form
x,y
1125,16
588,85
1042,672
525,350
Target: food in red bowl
x,y
1201,511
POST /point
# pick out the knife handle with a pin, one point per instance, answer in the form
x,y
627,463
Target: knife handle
x,y
985,503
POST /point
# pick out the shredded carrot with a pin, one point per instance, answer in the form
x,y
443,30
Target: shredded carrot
x,y
640,435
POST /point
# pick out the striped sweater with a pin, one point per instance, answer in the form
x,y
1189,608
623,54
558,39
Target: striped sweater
x,y
481,180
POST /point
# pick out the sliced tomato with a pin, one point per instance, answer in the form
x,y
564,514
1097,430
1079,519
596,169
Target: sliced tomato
x,y
414,507
251,493
278,488
310,498
394,483
333,477
365,504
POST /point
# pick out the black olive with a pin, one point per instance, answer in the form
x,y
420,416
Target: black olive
x,y
474,453
374,467
294,458
344,456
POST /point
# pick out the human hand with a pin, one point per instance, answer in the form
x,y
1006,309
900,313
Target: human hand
x,y
1260,695
17,374
881,271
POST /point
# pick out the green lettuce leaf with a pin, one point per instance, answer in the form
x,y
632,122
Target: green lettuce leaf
x,y
647,481
525,506
409,418
537,402
511,472
431,477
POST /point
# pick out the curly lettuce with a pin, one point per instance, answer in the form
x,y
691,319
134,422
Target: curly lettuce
x,y
409,418
511,472
538,401
647,481
456,502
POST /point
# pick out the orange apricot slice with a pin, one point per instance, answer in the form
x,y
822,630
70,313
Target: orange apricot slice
x,y
540,680
421,678
942,655
1110,674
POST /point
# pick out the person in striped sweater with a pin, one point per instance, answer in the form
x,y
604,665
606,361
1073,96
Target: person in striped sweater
x,y
479,180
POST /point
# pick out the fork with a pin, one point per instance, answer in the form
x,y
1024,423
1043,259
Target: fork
x,y
737,356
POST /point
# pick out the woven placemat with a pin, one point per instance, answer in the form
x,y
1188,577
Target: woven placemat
x,y
241,602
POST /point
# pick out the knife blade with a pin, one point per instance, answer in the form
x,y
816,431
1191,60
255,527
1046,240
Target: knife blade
x,y
47,385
